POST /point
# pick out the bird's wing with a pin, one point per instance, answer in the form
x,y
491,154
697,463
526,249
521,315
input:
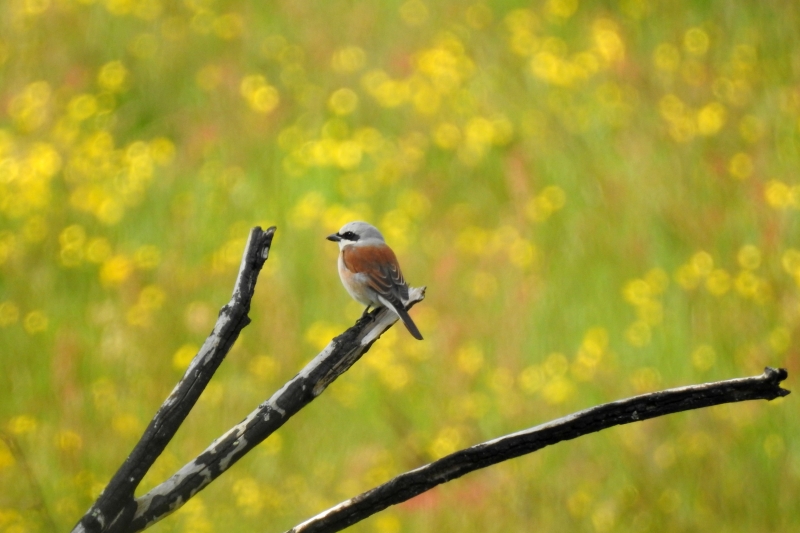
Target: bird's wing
x,y
380,265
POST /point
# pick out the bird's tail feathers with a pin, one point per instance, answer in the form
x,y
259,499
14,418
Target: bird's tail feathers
x,y
403,314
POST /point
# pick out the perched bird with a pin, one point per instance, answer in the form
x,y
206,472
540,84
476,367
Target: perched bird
x,y
370,272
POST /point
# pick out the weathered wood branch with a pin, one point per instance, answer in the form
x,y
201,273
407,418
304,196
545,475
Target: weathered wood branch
x,y
117,511
415,482
116,506
340,354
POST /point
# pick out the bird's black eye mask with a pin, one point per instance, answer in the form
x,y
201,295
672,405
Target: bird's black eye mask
x,y
349,236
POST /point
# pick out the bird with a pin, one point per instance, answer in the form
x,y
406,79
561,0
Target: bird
x,y
370,272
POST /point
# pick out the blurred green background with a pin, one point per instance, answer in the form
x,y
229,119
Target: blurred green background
x,y
602,198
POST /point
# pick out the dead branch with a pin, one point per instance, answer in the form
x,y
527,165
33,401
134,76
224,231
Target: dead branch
x,y
117,511
652,405
116,504
340,354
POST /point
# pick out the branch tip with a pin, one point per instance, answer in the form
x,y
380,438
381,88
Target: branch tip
x,y
774,376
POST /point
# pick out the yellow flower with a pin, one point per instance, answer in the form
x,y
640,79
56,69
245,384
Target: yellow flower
x,y
650,311
532,379
228,26
147,257
307,210
469,358
741,166
35,229
6,459
320,333
638,334
718,282
152,297
687,277
29,108
263,367
637,292
746,283
483,285
778,194
82,107
9,313
113,76
671,107
248,496
556,365
68,441
126,424
348,59
646,379
448,440
388,92
562,8
162,150
658,280
711,118
98,250
540,207
667,57
606,38
703,263
447,136
791,261
35,322
479,131
183,356
22,424
522,253
696,41
780,339
343,101
479,16
414,12
394,376
558,390
703,357
749,257
595,341
8,243
260,95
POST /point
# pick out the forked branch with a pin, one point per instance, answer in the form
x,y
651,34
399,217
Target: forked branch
x,y
340,354
117,511
115,507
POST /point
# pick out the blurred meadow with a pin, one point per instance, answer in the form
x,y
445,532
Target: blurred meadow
x,y
602,198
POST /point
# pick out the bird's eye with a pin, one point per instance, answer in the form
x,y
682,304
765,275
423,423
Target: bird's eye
x,y
350,236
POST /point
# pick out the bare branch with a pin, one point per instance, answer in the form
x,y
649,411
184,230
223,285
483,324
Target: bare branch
x,y
333,361
116,506
410,484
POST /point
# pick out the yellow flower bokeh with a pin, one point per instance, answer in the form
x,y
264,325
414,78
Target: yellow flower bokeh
x,y
601,201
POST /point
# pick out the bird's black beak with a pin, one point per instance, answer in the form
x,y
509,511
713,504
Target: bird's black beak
x,y
335,237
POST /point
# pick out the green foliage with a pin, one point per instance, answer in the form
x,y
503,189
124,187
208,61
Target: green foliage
x,y
601,198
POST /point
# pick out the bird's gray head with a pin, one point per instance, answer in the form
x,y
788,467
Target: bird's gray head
x,y
354,232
